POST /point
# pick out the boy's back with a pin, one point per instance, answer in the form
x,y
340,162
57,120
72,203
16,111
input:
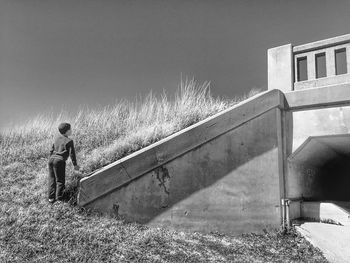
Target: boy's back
x,y
62,148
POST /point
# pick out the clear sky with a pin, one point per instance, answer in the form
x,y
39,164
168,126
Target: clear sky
x,y
58,54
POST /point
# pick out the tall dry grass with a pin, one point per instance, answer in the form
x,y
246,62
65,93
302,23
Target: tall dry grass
x,y
110,133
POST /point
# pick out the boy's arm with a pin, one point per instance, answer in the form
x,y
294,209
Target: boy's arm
x,y
72,154
52,149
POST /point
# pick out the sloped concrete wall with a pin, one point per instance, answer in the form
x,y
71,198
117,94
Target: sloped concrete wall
x,y
147,159
229,184
221,174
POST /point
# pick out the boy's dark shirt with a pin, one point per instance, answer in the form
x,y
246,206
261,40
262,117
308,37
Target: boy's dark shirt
x,y
62,148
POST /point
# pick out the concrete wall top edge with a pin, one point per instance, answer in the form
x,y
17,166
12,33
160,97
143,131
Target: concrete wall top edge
x,y
322,44
180,142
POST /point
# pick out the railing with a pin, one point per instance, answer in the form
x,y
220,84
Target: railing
x,y
322,63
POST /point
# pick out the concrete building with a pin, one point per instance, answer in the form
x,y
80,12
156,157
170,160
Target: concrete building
x,y
272,158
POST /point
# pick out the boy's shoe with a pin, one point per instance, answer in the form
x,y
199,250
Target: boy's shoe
x,y
51,200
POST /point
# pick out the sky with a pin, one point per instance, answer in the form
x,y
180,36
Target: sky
x,y
64,54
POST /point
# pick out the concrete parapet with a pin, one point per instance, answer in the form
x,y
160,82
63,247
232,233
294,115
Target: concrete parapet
x,y
316,64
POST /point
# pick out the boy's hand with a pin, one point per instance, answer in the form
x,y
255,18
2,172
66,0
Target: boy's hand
x,y
76,167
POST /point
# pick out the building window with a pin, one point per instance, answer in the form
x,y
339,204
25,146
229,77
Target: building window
x,y
320,63
302,68
340,61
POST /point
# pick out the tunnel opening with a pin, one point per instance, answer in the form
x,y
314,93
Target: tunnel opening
x,y
334,179
319,169
319,179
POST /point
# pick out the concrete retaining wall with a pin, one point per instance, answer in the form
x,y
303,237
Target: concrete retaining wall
x,y
221,174
230,184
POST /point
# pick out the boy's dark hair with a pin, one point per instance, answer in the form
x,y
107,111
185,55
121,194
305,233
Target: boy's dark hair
x,y
63,127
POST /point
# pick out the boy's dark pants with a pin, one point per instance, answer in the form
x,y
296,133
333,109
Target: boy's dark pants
x,y
57,177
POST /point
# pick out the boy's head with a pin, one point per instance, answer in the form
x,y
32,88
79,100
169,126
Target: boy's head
x,y
65,128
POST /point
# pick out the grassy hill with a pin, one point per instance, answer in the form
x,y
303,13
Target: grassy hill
x,y
31,230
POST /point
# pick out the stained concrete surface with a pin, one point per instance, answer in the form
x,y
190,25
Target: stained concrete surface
x,y
332,240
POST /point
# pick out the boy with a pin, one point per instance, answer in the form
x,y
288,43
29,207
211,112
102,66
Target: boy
x,y
60,150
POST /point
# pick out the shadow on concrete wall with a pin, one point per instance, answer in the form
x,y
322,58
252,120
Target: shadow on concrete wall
x,y
213,188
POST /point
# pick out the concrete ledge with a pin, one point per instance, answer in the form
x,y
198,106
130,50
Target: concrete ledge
x,y
328,96
322,82
131,167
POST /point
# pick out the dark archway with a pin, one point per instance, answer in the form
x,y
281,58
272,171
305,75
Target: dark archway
x,y
319,169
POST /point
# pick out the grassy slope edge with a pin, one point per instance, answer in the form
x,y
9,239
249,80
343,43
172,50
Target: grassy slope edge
x,y
31,230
